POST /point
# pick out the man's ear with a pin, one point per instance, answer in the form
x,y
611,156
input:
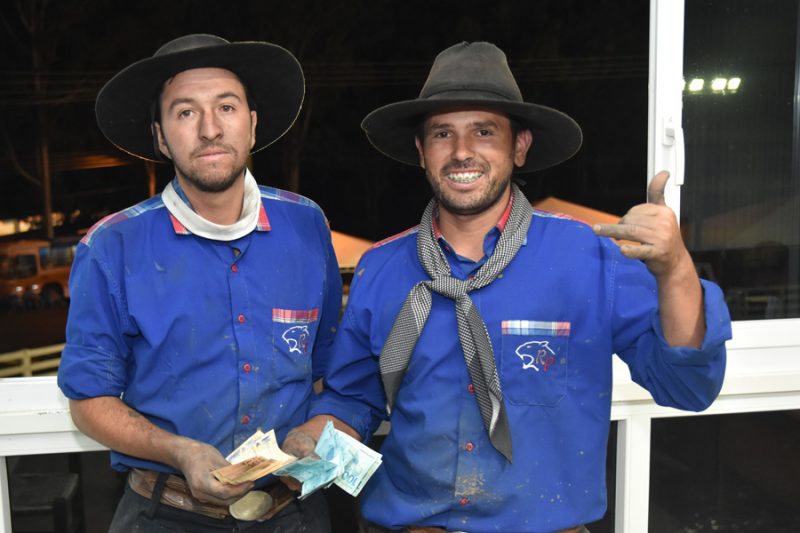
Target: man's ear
x,y
160,143
253,122
418,143
521,146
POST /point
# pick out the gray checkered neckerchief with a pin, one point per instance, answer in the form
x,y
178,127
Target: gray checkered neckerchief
x,y
475,341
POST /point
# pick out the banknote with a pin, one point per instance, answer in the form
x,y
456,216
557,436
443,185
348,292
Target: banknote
x,y
246,449
258,456
313,473
341,459
357,462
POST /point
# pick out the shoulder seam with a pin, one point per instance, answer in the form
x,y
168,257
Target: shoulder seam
x,y
145,206
395,237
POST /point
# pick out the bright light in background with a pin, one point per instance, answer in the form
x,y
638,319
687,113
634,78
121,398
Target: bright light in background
x,y
696,85
718,84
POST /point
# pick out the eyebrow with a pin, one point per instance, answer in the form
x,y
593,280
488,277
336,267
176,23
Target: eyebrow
x,y
220,96
475,124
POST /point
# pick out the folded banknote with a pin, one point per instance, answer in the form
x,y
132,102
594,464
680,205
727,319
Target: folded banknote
x,y
341,460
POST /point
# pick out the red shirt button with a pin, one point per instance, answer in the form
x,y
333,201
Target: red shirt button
x,y
469,446
246,367
245,420
471,388
241,319
234,268
464,501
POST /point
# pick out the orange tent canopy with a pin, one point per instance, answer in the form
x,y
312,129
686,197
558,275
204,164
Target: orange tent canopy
x,y
582,213
579,212
348,249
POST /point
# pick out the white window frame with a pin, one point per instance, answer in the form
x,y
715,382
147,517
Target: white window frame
x,y
763,371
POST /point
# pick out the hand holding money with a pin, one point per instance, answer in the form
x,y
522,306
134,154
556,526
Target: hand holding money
x,y
195,459
255,458
356,461
336,458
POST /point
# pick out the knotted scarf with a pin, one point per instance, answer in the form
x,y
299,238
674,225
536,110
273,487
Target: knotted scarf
x,y
472,332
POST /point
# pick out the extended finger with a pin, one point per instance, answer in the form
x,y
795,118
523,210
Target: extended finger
x,y
627,232
655,190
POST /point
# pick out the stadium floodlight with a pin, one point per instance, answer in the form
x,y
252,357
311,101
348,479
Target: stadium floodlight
x,y
696,85
718,84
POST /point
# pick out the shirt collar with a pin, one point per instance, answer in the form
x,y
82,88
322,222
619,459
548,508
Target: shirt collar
x,y
499,227
186,221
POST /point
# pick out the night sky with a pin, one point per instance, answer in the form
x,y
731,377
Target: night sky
x,y
588,59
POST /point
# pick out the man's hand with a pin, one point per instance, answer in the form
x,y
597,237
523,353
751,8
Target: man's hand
x,y
302,440
196,460
680,297
654,225
300,444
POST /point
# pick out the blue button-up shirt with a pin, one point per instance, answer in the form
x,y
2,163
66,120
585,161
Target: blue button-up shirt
x,y
562,307
208,339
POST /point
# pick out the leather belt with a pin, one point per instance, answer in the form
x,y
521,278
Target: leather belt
x,y
177,494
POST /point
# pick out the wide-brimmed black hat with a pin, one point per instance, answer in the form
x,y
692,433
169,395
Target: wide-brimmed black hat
x,y
272,75
473,75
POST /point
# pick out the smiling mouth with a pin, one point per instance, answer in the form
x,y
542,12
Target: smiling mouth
x,y
463,177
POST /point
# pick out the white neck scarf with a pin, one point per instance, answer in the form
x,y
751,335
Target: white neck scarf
x,y
205,228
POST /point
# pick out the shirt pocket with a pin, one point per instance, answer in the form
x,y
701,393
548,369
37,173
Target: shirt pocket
x,y
534,361
293,334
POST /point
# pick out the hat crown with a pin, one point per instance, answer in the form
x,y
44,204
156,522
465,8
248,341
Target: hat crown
x,y
190,42
478,68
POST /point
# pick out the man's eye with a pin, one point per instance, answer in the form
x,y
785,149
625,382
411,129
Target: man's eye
x,y
227,108
441,135
185,113
484,133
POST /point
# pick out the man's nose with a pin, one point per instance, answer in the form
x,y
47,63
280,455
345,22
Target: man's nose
x,y
210,127
462,148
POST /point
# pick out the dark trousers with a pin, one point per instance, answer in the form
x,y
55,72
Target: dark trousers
x,y
137,514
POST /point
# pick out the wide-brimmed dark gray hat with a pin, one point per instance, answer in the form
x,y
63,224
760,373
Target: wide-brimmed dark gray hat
x,y
272,75
473,75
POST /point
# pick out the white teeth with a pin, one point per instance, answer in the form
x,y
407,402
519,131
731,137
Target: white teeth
x,y
464,177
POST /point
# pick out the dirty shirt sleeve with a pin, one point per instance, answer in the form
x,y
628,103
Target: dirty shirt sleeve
x,y
94,359
681,377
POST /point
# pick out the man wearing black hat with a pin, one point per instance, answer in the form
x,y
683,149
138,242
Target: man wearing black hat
x,y
203,313
485,334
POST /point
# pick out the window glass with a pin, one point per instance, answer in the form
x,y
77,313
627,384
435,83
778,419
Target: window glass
x,y
740,204
725,473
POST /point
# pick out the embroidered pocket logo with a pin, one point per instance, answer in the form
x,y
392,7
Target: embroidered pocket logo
x,y
536,355
297,335
296,338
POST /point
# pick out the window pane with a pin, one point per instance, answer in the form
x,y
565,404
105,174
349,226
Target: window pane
x,y
740,203
729,473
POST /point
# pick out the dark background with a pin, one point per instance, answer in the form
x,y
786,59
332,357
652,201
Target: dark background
x,y
588,59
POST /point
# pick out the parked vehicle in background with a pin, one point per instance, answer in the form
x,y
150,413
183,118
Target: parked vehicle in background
x,y
35,272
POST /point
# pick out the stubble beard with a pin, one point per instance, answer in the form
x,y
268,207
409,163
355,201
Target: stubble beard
x,y
207,181
488,199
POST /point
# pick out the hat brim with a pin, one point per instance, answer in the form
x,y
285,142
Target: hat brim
x,y
272,75
392,128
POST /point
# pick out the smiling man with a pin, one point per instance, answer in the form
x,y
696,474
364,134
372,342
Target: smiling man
x,y
485,334
205,312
